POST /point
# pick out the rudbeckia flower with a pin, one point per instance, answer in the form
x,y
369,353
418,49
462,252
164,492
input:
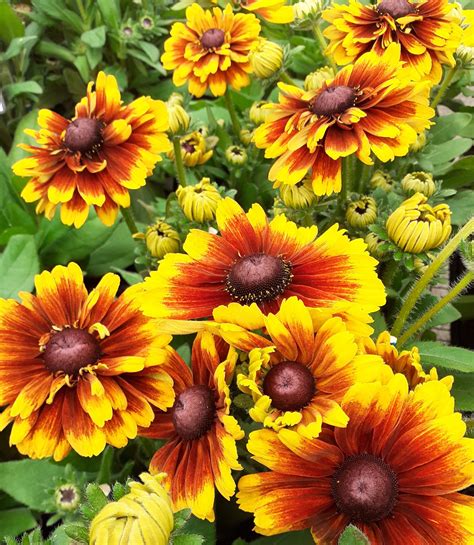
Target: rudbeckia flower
x,y
361,213
211,50
255,260
199,202
200,452
428,33
370,107
406,362
300,379
78,370
194,149
95,158
394,471
160,239
274,11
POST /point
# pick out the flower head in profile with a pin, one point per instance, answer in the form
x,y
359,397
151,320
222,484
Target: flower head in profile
x,y
370,108
419,182
144,516
406,362
427,31
199,430
94,159
416,227
361,213
274,11
266,58
394,471
300,195
211,49
254,260
194,149
199,202
160,239
299,379
78,370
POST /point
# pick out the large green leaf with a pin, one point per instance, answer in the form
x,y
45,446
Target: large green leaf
x,y
94,37
451,358
353,536
463,391
462,206
10,24
14,522
18,265
21,88
449,126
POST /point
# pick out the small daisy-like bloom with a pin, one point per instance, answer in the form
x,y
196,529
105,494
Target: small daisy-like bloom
x,y
274,11
427,31
246,136
407,362
301,379
255,260
257,112
211,50
374,245
370,107
266,58
78,370
419,143
200,432
381,179
194,149
161,239
362,212
394,471
199,202
95,158
417,227
300,195
236,155
144,516
316,79
178,117
67,497
419,182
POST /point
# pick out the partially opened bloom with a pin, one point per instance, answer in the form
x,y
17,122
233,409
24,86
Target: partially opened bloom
x,y
274,11
161,239
427,31
362,212
211,50
194,149
394,471
266,58
78,370
406,362
95,158
419,182
144,516
255,260
300,195
200,452
300,379
416,227
369,109
199,202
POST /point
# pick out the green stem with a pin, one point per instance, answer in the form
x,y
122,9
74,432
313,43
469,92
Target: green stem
x,y
318,34
286,78
105,470
448,78
178,161
347,180
82,10
430,272
455,291
389,272
233,114
128,217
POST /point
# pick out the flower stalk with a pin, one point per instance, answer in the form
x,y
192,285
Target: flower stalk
x,y
318,34
448,78
178,161
430,272
129,220
233,114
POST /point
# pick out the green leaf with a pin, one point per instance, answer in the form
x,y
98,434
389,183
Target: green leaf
x,y
289,538
461,205
30,481
57,10
83,67
442,153
17,45
10,24
77,533
188,539
110,10
353,536
181,518
18,265
449,126
14,522
29,121
463,391
94,37
21,88
202,528
130,277
451,358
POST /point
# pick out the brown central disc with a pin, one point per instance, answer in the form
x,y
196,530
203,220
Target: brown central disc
x,y
257,278
84,135
365,488
396,8
290,385
333,100
194,412
69,350
212,38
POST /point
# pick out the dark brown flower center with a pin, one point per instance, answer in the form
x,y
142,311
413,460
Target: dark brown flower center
x,y
67,494
188,147
84,135
69,350
212,38
194,412
333,100
257,278
365,488
395,8
290,385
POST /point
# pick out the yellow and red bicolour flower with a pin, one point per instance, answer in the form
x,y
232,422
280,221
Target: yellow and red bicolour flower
x,y
428,33
95,158
274,11
394,471
211,50
300,379
255,260
406,362
78,370
200,452
370,107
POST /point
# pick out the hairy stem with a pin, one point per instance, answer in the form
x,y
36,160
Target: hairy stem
x,y
318,34
178,161
128,217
